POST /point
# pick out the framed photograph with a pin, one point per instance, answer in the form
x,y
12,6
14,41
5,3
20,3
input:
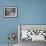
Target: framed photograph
x,y
10,11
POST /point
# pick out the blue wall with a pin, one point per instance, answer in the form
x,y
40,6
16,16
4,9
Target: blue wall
x,y
29,12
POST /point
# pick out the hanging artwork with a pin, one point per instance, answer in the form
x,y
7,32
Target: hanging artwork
x,y
32,32
10,11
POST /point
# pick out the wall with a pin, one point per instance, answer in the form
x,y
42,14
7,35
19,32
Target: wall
x,y
7,25
29,12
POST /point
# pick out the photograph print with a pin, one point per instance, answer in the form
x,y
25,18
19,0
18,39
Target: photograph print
x,y
10,11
